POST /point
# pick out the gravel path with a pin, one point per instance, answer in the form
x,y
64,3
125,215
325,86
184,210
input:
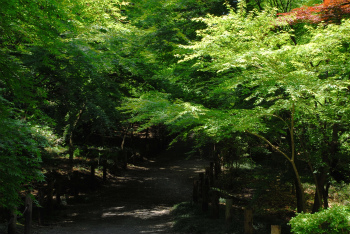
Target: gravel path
x,y
138,202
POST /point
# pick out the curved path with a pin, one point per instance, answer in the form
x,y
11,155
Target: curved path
x,y
138,202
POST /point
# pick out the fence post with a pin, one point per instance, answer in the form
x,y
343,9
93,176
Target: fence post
x,y
28,214
195,191
40,207
228,213
275,229
217,169
248,221
104,164
200,185
50,188
205,200
211,174
215,204
58,187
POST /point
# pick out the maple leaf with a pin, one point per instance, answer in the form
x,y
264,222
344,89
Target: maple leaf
x,y
330,11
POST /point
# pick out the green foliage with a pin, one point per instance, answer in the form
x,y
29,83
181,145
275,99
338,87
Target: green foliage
x,y
332,220
57,59
189,218
250,72
20,155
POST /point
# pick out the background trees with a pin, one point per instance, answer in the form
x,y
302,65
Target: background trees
x,y
262,81
60,66
72,73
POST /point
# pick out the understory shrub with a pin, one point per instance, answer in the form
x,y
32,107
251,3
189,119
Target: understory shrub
x,y
333,220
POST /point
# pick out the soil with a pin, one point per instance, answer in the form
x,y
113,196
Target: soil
x,y
140,201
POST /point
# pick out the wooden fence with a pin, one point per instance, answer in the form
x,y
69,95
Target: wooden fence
x,y
205,193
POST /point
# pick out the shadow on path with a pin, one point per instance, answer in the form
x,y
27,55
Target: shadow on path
x,y
138,202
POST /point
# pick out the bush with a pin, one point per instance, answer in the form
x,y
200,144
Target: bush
x,y
332,220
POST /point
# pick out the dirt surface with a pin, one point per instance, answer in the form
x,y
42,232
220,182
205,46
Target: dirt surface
x,y
140,201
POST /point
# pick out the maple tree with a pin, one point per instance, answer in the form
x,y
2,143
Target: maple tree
x,y
330,11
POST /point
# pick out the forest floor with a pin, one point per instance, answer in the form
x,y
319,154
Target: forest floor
x,y
139,201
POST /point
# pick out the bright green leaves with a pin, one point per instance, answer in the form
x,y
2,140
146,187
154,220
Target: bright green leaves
x,y
332,220
19,158
57,57
156,108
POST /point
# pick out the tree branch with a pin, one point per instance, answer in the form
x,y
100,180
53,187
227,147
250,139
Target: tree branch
x,y
270,144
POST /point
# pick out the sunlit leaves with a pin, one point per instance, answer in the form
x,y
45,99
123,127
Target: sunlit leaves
x,y
330,11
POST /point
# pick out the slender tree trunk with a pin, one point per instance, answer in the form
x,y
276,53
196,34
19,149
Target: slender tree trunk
x,y
322,178
71,145
301,203
299,187
321,181
123,152
11,228
28,214
300,195
325,196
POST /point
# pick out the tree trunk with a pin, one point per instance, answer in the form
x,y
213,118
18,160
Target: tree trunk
x,y
292,159
28,214
71,145
11,228
325,196
300,195
320,191
41,203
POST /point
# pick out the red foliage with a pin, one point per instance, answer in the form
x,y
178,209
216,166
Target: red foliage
x,y
331,11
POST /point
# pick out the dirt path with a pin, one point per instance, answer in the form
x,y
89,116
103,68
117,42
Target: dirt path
x,y
138,202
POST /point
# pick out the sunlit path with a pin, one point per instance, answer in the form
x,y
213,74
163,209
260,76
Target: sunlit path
x,y
138,202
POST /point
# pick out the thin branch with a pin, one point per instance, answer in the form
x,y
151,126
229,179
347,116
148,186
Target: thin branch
x,y
270,144
292,132
279,117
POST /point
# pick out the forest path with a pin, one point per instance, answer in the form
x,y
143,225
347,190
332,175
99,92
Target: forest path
x,y
138,202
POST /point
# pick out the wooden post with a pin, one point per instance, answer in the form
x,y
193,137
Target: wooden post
x,y
195,191
125,162
58,188
50,187
228,213
93,174
275,229
200,185
211,174
215,211
11,227
41,204
75,184
28,214
217,169
104,164
248,221
205,200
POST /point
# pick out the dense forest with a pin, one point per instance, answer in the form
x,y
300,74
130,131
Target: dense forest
x,y
262,84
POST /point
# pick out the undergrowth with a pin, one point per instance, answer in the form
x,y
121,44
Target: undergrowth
x,y
189,218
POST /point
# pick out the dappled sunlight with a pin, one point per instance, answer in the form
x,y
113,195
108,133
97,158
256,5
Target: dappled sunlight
x,y
137,213
157,228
